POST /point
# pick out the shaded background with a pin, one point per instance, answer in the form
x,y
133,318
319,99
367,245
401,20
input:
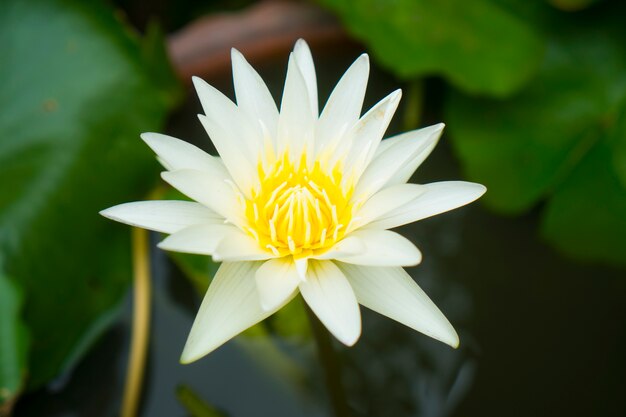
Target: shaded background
x,y
533,93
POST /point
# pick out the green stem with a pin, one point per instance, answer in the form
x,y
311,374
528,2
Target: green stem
x,y
141,324
331,365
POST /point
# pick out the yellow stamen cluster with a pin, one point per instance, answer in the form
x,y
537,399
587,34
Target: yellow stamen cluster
x,y
298,211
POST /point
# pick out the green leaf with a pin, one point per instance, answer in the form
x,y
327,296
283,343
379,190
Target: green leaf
x,y
477,45
535,145
543,132
13,343
78,89
618,144
586,217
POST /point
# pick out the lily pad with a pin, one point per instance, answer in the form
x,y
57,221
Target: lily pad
x,y
560,140
479,46
78,89
586,216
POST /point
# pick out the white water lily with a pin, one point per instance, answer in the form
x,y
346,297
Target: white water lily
x,y
299,202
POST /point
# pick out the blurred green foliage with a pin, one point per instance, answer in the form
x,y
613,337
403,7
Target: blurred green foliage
x,y
13,343
76,91
555,141
477,45
538,109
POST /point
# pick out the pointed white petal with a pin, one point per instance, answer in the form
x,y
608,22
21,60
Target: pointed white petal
x,y
395,158
331,298
276,281
230,306
393,293
296,121
222,110
383,248
233,153
209,190
178,154
198,239
304,59
235,138
253,96
385,201
425,139
239,246
439,197
162,216
367,133
350,245
343,107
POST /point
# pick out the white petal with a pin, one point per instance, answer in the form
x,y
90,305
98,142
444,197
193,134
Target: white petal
x,y
350,245
164,163
393,293
383,248
276,281
230,306
304,59
343,107
393,161
331,298
296,121
178,154
424,139
439,197
198,239
237,142
232,153
253,96
385,201
367,133
162,216
239,246
209,190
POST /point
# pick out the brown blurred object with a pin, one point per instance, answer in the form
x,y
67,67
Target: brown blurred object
x,y
263,31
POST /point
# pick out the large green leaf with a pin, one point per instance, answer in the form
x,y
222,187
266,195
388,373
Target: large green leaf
x,y
77,89
553,142
478,45
13,343
586,217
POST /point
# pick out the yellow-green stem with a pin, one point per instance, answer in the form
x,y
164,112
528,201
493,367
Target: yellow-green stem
x,y
141,323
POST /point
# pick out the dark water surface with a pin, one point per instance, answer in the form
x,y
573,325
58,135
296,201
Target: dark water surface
x,y
540,335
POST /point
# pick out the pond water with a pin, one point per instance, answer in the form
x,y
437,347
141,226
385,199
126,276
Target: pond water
x,y
541,335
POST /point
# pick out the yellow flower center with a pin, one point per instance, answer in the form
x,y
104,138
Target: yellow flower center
x,y
298,211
